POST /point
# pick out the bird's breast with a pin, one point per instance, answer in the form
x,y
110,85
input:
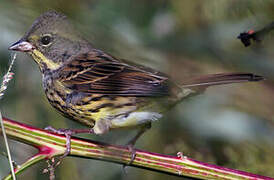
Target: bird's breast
x,y
57,96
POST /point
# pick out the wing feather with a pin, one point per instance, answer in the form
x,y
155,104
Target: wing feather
x,y
96,72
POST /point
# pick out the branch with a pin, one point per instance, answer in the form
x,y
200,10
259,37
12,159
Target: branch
x,y
50,145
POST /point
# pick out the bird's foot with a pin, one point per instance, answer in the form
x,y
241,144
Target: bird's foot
x,y
132,157
132,142
133,153
68,133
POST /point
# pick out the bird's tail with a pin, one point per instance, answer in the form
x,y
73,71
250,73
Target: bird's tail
x,y
203,82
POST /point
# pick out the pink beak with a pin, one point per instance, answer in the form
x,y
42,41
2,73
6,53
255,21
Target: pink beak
x,y
22,46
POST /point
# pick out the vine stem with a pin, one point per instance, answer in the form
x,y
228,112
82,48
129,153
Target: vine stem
x,y
50,145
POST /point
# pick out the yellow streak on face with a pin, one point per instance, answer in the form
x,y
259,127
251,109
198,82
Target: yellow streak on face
x,y
40,58
34,38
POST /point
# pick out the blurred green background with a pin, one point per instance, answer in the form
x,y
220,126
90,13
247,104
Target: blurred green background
x,y
231,125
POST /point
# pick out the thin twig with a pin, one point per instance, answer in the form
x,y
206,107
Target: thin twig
x,y
7,147
7,77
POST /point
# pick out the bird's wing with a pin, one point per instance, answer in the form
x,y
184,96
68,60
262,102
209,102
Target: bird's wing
x,y
98,73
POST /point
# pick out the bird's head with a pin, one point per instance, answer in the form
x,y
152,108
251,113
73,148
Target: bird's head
x,y
51,40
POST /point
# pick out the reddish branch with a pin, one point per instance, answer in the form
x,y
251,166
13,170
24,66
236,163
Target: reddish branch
x,y
50,145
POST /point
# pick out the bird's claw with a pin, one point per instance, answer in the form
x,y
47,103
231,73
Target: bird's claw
x,y
133,153
68,133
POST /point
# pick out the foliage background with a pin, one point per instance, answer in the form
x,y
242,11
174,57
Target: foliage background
x,y
229,125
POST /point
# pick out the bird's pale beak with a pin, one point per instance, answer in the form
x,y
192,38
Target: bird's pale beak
x,y
22,46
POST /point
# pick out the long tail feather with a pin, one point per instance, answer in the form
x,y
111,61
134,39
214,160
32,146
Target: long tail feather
x,y
223,78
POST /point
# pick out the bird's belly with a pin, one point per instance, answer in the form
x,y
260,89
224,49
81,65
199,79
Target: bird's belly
x,y
135,118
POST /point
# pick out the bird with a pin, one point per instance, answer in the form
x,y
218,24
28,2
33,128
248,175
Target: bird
x,y
94,88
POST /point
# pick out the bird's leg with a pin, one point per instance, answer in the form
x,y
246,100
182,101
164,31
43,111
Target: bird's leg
x,y
100,127
132,142
68,133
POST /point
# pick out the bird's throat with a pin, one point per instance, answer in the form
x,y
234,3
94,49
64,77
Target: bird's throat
x,y
44,62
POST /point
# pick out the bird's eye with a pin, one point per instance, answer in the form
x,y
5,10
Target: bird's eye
x,y
46,40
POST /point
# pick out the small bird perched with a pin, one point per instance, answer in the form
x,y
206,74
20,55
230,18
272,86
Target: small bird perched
x,y
98,90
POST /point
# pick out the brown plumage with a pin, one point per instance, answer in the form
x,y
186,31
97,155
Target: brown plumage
x,y
98,90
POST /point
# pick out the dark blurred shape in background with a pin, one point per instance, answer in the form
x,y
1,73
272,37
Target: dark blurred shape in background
x,y
229,125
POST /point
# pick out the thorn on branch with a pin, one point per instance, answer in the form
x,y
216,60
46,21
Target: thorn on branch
x,y
180,155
